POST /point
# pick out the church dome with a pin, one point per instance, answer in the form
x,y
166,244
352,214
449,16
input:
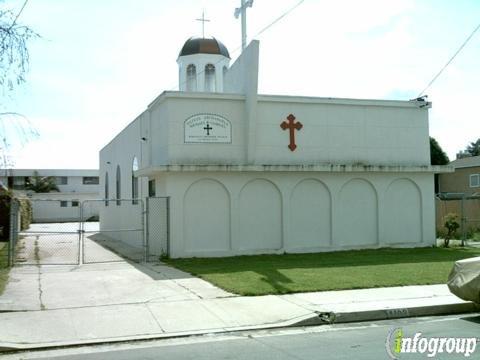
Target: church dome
x,y
204,46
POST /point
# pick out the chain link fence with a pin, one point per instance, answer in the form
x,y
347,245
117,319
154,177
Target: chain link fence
x,y
157,227
128,228
119,234
54,239
467,209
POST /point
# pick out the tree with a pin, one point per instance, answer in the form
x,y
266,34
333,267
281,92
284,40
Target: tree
x,y
41,184
14,60
474,148
14,56
437,155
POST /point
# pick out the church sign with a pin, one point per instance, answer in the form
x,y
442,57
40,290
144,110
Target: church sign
x,y
207,128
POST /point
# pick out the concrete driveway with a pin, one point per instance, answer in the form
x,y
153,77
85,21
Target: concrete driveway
x,y
42,286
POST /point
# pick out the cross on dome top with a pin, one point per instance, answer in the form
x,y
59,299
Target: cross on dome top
x,y
203,20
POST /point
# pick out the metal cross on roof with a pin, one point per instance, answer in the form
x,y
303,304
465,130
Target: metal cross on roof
x,y
203,20
242,10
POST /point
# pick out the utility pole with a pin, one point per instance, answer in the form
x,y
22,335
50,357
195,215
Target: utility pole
x,y
242,10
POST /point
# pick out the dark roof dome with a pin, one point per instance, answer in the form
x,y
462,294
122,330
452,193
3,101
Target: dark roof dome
x,y
204,46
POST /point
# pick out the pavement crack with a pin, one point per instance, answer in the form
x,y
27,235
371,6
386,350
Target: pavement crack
x,y
155,318
39,279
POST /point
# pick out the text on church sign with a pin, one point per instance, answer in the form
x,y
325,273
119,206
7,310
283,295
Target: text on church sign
x,y
207,128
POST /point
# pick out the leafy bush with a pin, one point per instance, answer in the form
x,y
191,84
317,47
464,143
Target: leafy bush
x,y
452,225
25,214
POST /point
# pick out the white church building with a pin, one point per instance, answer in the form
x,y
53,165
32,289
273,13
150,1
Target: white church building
x,y
251,174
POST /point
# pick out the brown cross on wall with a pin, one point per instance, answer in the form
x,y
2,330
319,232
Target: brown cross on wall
x,y
292,127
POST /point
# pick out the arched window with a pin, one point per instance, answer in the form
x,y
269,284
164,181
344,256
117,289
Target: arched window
x,y
118,186
224,72
134,181
210,78
106,189
191,78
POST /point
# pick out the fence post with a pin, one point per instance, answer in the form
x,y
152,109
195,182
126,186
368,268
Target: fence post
x,y
147,226
464,234
144,212
12,243
168,226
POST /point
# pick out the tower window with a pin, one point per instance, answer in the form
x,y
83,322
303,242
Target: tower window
x,y
210,78
191,78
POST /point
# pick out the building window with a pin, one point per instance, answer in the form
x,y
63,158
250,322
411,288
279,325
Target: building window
x,y
151,188
90,180
61,180
475,180
210,78
118,186
18,182
134,181
191,78
74,203
63,203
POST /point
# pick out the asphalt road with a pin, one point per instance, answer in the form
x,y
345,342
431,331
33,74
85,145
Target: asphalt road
x,y
348,341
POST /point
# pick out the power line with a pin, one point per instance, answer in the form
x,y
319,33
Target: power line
x,y
280,17
450,61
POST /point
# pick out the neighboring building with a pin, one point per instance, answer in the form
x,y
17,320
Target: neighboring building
x,y
74,186
465,179
250,174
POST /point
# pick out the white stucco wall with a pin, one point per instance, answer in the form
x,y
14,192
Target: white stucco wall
x,y
342,132
200,61
46,207
74,178
235,210
234,213
125,215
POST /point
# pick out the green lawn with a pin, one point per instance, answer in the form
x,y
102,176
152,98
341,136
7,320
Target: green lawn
x,y
3,265
281,274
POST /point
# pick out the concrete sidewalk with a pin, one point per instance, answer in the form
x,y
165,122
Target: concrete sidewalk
x,y
47,306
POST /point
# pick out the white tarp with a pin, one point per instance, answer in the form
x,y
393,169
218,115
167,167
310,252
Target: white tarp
x,y
464,279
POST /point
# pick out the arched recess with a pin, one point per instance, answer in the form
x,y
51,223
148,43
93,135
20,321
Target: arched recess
x,y
260,205
207,217
357,222
107,194
210,80
134,179
310,215
118,186
191,78
403,212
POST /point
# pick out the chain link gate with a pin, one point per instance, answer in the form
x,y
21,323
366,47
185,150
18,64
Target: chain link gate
x,y
120,234
49,242
70,232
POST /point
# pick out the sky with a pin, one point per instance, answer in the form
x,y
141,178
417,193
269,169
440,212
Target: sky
x,y
99,63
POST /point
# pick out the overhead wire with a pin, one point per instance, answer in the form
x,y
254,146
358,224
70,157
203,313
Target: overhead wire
x,y
450,61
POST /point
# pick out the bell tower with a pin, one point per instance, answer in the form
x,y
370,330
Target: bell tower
x,y
203,63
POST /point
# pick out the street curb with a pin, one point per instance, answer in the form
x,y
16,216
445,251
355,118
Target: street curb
x,y
323,318
315,319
